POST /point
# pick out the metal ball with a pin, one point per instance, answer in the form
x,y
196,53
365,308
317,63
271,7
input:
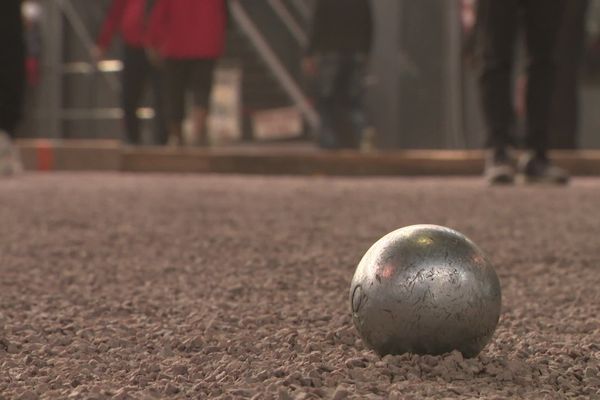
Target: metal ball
x,y
425,289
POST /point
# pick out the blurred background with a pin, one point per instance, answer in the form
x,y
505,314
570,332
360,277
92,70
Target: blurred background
x,y
422,89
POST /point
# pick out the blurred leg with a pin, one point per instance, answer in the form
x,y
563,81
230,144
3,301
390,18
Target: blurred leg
x,y
201,85
161,132
498,23
350,91
12,83
135,71
176,74
542,23
564,115
199,119
12,68
327,72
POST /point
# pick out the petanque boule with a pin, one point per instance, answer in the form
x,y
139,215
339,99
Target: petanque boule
x,y
425,289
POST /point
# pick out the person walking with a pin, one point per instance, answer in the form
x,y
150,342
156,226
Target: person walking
x,y
499,25
337,55
188,37
130,19
12,82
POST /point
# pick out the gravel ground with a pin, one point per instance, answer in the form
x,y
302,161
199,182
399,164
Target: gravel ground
x,y
174,286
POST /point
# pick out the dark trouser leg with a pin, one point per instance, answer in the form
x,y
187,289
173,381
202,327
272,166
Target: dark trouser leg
x,y
177,73
201,83
328,70
542,23
350,92
564,115
12,88
135,71
161,132
12,65
498,29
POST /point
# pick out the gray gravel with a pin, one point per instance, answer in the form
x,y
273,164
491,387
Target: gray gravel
x,y
173,286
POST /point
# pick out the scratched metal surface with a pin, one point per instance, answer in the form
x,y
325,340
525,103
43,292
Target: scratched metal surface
x,y
425,289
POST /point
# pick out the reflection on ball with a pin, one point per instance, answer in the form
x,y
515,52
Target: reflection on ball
x,y
425,289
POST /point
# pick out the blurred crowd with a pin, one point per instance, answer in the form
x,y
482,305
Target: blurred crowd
x,y
172,47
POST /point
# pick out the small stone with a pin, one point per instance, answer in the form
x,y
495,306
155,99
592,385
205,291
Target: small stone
x,y
590,372
356,363
455,356
179,369
283,394
315,356
170,389
154,367
167,351
212,349
75,394
42,388
262,375
122,394
96,395
247,393
28,395
194,344
340,393
593,381
11,348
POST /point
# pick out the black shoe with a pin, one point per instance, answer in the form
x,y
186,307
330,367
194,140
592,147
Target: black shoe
x,y
499,167
536,168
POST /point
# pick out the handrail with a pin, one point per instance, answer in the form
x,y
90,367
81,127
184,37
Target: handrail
x,y
302,8
81,31
274,64
290,22
103,113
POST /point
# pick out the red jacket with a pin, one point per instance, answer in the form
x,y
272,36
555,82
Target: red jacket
x,y
183,29
127,17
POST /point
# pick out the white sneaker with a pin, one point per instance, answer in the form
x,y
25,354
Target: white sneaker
x,y
500,167
10,160
535,168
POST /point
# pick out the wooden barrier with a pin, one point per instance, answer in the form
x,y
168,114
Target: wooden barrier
x,y
72,155
96,155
